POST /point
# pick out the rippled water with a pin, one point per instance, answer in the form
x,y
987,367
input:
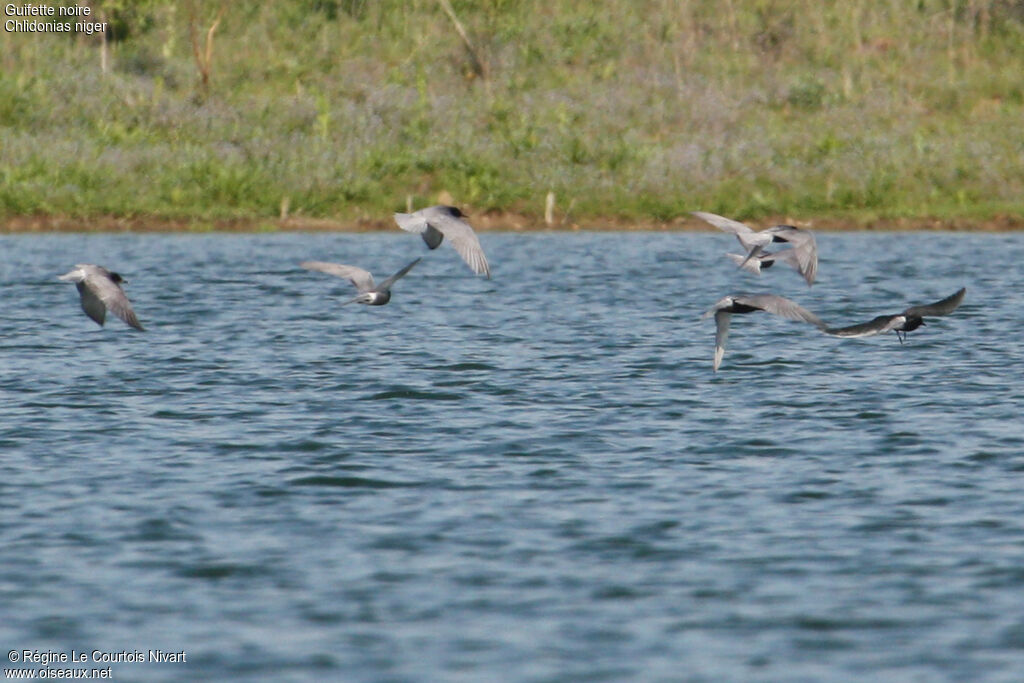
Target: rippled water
x,y
536,477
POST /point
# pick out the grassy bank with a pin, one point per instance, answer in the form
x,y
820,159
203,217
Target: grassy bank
x,y
856,111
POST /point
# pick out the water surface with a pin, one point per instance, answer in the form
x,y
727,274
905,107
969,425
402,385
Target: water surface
x,y
532,478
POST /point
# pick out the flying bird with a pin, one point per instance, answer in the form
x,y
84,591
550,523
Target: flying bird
x,y
100,289
369,293
770,303
804,255
765,260
901,323
437,222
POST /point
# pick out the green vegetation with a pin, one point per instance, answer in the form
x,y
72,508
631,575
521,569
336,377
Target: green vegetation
x,y
634,109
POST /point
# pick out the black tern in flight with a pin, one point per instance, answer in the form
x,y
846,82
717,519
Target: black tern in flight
x,y
437,222
99,290
369,294
804,256
901,323
765,260
771,303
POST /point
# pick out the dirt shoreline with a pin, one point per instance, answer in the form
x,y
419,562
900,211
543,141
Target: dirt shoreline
x,y
486,221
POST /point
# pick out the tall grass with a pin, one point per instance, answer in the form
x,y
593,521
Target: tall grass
x,y
640,109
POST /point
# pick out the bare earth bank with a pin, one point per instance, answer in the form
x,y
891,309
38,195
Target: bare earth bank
x,y
485,221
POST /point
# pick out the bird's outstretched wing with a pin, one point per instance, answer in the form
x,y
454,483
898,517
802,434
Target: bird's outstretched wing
x,y
805,250
883,323
464,240
122,308
91,304
722,320
943,307
780,306
723,223
397,276
746,235
362,279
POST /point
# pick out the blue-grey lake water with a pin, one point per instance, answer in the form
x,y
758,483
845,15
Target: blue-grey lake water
x,y
536,477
